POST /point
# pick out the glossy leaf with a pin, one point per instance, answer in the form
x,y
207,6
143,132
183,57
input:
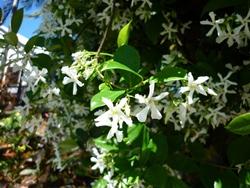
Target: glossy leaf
x,y
218,184
16,20
35,40
170,74
133,133
240,125
102,142
96,100
11,38
112,65
124,35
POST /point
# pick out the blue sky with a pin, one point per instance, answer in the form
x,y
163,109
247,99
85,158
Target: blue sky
x,y
29,25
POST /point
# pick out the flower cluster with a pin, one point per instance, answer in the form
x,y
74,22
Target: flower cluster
x,y
233,29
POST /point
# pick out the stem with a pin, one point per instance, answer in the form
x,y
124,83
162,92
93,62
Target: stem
x,y
106,31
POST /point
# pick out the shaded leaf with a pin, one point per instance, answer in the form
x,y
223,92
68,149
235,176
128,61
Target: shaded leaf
x,y
16,20
11,38
170,74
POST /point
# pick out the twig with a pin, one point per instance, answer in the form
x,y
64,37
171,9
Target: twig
x,y
106,31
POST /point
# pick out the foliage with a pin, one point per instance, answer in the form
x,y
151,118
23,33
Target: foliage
x,y
111,102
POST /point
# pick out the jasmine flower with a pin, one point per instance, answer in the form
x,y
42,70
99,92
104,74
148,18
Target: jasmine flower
x,y
114,118
151,104
72,76
195,85
214,23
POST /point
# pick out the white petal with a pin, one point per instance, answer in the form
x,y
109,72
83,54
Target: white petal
x,y
112,131
201,79
74,89
140,98
190,77
155,113
201,90
66,80
190,97
119,136
161,96
211,92
184,89
108,103
122,103
151,89
142,115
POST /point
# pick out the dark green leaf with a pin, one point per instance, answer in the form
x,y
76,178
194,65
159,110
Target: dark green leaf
x,y
240,125
68,145
124,35
133,133
42,61
129,56
35,40
182,163
213,5
102,142
170,74
237,152
16,20
11,38
112,65
96,100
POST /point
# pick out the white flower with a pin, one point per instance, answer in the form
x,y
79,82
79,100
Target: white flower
x,y
72,77
98,160
110,182
168,31
151,104
216,116
214,23
114,118
244,23
230,35
64,27
185,112
194,85
224,85
38,75
185,26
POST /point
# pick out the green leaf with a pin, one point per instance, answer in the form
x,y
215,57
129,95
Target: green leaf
x,y
111,65
124,35
1,15
96,100
42,61
183,163
16,20
32,42
11,38
101,183
133,133
68,145
237,152
102,142
213,5
240,125
129,56
170,74
218,184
